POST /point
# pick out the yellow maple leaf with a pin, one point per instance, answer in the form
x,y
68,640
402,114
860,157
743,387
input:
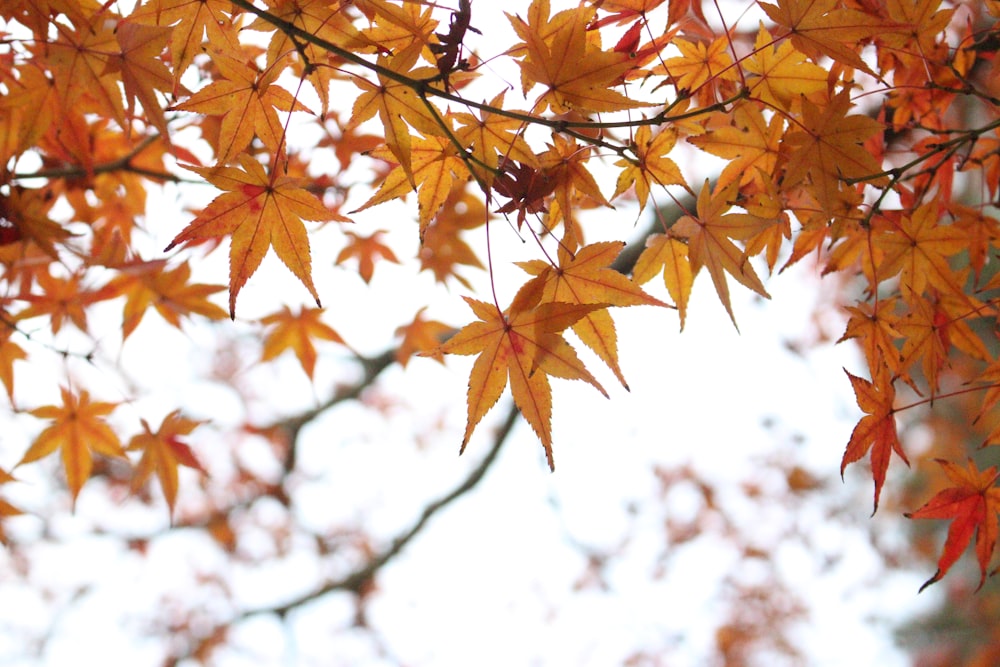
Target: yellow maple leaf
x,y
782,76
523,343
585,277
559,55
709,245
79,430
259,212
296,332
248,100
651,166
162,452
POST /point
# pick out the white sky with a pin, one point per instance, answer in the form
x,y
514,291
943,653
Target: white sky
x,y
491,581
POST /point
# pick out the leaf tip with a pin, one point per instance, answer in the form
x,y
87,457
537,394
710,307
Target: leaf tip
x,y
932,580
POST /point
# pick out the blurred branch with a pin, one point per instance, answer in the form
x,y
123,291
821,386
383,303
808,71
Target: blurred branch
x,y
357,580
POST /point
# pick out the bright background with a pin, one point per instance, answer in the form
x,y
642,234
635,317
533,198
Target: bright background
x,y
501,577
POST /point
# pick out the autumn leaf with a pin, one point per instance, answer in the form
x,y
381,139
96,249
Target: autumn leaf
x,y
669,256
141,71
259,212
296,332
920,249
248,100
169,291
699,64
576,74
709,245
9,353
971,504
79,430
432,170
781,76
877,429
492,137
829,148
398,106
751,144
421,336
162,452
192,21
523,343
651,166
367,250
820,27
585,277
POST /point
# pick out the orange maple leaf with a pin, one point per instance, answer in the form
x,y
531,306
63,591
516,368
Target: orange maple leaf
x,y
585,277
296,331
79,430
782,76
421,336
259,212
432,170
876,430
669,255
972,504
398,106
367,250
829,149
920,249
169,291
751,145
525,344
820,27
248,100
559,55
162,452
651,166
709,243
141,69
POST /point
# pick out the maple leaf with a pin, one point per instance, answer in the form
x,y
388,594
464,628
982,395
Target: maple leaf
x,y
367,250
700,67
61,299
491,138
141,70
432,171
874,327
162,452
876,430
523,344
751,144
919,248
78,430
829,149
79,57
668,255
782,76
423,337
585,278
972,504
296,332
192,20
820,27
651,164
559,56
169,291
9,353
709,243
442,248
247,99
398,106
259,212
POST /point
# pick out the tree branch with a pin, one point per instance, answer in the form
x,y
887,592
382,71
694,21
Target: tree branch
x,y
355,581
